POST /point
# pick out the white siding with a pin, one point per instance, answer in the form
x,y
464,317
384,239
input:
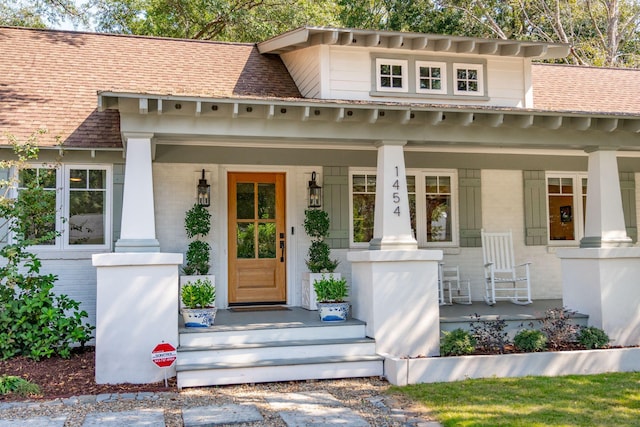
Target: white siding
x,y
304,67
349,75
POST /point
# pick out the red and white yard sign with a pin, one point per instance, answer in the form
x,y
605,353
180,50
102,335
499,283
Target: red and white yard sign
x,y
164,355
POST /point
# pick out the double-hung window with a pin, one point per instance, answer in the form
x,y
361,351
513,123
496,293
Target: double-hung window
x,y
80,204
432,198
566,203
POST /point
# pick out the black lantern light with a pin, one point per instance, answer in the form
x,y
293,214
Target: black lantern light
x,y
315,192
204,192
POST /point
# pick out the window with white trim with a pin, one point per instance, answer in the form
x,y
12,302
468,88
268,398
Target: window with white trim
x,y
432,205
566,203
81,200
391,75
468,79
431,77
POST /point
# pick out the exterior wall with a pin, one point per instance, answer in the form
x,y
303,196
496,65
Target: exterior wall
x,y
349,75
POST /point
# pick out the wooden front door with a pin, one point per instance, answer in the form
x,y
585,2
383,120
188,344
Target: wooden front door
x,y
257,238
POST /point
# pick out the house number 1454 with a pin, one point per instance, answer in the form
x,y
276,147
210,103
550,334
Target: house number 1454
x,y
396,195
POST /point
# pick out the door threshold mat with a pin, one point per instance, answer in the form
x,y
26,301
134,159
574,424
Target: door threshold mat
x,y
259,308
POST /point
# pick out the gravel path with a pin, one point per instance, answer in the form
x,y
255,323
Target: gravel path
x,y
366,397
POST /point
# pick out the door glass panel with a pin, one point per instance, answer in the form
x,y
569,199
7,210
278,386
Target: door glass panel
x,y
245,239
267,240
246,201
266,201
78,178
363,209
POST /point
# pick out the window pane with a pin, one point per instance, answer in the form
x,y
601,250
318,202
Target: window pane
x,y
97,178
424,71
411,184
438,218
86,217
436,84
385,69
385,81
431,183
424,84
358,183
553,185
473,86
444,185
397,70
78,178
462,85
462,74
472,74
266,201
245,199
267,240
371,183
397,82
567,185
363,210
412,213
561,218
245,240
435,72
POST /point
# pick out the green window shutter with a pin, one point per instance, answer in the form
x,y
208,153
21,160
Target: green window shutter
x,y
628,190
5,175
470,207
335,190
535,208
118,191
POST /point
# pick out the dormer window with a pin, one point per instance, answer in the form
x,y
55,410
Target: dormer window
x,y
391,75
431,77
468,79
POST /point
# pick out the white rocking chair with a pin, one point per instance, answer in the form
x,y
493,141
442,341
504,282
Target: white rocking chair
x,y
504,280
452,286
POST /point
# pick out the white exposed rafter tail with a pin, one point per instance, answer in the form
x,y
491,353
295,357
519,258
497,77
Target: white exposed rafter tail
x,y
581,123
496,120
339,115
435,117
405,117
159,106
198,108
143,105
608,125
271,112
236,110
373,115
306,112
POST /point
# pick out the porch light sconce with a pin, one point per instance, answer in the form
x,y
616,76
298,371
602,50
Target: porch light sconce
x,y
315,192
204,192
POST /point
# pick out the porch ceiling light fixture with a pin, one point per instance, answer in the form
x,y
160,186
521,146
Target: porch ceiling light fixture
x,y
315,193
204,192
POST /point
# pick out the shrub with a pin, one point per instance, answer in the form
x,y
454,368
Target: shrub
x,y
530,340
457,343
592,337
34,321
197,223
198,294
490,335
331,289
558,327
17,385
316,225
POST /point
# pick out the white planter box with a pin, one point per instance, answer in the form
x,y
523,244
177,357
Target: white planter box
x,y
309,300
186,279
446,369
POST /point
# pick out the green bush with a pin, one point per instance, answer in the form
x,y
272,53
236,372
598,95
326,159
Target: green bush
x,y
331,289
12,384
457,343
197,223
198,294
316,225
530,340
34,321
592,337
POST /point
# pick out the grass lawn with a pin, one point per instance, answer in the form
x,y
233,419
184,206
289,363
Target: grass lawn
x,y
590,400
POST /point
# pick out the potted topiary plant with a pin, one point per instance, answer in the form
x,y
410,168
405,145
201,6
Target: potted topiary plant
x,y
198,297
316,225
331,293
197,223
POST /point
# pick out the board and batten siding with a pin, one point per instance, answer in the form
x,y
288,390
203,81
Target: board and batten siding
x,y
470,207
336,204
535,206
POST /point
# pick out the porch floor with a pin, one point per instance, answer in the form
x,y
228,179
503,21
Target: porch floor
x,y
297,317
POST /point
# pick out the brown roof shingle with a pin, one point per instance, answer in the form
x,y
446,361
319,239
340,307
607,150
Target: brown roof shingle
x,y
586,89
49,79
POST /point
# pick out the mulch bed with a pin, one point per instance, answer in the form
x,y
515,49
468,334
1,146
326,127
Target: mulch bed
x,y
75,376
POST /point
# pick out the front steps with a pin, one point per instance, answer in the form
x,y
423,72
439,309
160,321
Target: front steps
x,y
274,346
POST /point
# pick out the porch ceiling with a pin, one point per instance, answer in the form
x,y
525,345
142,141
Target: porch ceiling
x,y
309,122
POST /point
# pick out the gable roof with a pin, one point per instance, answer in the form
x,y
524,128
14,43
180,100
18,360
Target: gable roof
x,y
50,79
571,88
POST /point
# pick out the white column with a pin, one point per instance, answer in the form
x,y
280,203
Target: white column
x,y
138,230
604,216
392,224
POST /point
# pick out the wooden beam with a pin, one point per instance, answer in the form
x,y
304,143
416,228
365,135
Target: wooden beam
x,y
535,51
306,112
198,108
405,117
607,125
271,112
495,120
632,125
373,115
372,40
419,43
339,115
159,111
465,119
512,49
465,47
435,117
143,105
525,121
488,48
552,122
396,42
330,37
581,123
442,45
236,109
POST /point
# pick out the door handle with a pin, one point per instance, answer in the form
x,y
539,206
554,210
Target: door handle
x,y
281,250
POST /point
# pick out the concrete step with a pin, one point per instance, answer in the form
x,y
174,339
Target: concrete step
x,y
251,334
205,374
254,352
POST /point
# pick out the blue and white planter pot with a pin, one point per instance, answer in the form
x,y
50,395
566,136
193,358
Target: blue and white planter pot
x,y
333,311
199,317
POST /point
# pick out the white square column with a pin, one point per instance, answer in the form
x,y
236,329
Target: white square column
x,y
136,309
395,285
138,230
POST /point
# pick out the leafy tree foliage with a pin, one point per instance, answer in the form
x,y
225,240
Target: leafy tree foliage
x,y
39,13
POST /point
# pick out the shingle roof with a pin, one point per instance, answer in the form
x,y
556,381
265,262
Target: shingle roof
x,y
586,89
50,79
